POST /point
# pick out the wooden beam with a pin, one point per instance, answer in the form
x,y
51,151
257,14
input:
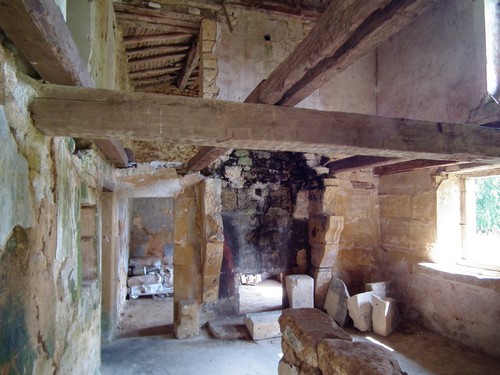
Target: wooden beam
x,y
125,21
357,162
128,40
170,58
154,72
488,113
204,157
191,63
347,30
159,15
41,34
154,80
81,112
157,49
411,165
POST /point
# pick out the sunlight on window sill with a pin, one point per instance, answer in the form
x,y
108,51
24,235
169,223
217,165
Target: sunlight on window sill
x,y
462,270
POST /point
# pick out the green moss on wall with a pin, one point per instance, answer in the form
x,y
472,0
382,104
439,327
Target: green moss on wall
x,y
16,354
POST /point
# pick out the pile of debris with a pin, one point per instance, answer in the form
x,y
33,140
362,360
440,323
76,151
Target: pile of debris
x,y
148,276
371,310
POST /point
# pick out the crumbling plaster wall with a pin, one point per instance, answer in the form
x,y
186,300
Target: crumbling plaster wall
x,y
50,318
260,41
435,69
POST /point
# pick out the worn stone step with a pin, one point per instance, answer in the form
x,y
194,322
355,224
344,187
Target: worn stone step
x,y
263,325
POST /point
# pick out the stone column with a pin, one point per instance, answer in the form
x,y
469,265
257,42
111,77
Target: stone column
x,y
212,239
324,236
208,60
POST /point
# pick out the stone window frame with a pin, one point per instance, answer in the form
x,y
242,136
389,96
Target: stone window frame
x,y
468,221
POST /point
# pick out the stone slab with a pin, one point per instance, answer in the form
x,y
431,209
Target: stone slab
x,y
322,278
384,316
263,325
336,301
360,310
346,357
302,330
300,291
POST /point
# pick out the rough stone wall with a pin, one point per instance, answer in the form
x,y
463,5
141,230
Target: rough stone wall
x,y
435,68
50,318
463,308
354,197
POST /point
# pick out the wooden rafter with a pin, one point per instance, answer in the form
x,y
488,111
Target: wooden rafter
x,y
41,34
154,72
156,50
330,47
411,165
81,112
357,162
164,38
167,58
157,26
191,62
204,157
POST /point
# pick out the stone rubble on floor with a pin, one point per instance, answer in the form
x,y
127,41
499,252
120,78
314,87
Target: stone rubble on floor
x,y
371,310
313,344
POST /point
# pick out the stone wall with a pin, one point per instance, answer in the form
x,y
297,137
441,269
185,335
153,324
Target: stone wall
x,y
461,307
50,316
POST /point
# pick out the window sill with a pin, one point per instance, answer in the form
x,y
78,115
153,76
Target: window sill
x,y
463,274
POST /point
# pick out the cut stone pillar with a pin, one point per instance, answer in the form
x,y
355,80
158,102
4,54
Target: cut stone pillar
x,y
336,301
379,289
324,236
360,310
300,291
322,278
263,325
384,316
186,324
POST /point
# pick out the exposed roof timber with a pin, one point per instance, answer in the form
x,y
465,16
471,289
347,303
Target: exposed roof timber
x,y
81,112
411,165
153,80
191,62
155,72
41,34
204,157
486,114
170,58
357,162
157,49
155,38
330,47
143,13
166,28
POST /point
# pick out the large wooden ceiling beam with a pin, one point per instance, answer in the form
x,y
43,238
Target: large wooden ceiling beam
x,y
81,112
347,30
39,31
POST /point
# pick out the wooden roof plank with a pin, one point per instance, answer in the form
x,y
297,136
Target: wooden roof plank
x,y
191,62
